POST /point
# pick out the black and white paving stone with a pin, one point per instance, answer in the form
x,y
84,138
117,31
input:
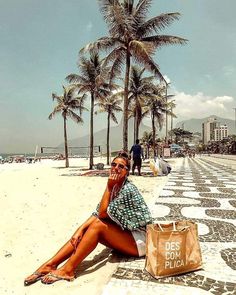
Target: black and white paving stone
x,y
203,191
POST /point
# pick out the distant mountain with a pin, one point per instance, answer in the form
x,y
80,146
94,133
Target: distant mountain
x,y
116,139
195,125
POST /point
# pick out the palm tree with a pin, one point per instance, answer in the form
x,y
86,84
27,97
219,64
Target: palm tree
x,y
157,110
157,107
66,104
141,89
131,35
142,112
180,134
171,106
147,140
110,104
92,81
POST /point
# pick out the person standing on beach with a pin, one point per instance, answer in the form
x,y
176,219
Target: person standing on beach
x,y
119,222
137,151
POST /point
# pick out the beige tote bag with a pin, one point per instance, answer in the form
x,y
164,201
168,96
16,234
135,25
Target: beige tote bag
x,y
172,249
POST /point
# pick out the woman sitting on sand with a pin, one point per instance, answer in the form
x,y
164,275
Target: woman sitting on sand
x,y
118,223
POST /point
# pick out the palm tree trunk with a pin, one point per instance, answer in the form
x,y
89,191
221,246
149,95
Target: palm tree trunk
x,y
65,142
134,128
153,134
108,135
91,133
126,93
137,118
171,126
137,127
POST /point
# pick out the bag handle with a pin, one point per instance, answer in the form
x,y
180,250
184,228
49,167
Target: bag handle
x,y
174,226
160,226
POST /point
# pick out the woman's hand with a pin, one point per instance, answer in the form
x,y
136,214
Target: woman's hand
x,y
76,238
112,180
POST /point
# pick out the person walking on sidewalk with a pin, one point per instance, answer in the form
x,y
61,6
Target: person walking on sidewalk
x,y
119,222
137,151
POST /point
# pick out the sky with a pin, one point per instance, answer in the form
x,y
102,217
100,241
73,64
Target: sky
x,y
39,45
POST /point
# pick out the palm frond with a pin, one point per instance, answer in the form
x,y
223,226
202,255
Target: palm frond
x,y
114,54
145,112
100,110
56,110
75,117
141,56
69,102
160,40
103,43
51,115
131,97
157,23
114,15
128,6
105,6
117,108
116,67
113,117
118,95
148,79
82,98
86,88
76,103
57,97
131,113
141,11
170,96
102,93
73,78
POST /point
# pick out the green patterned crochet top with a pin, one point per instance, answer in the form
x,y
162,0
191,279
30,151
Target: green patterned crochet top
x,y
128,209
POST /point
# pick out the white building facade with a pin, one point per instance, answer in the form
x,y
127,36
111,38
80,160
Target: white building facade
x,y
208,130
212,130
220,132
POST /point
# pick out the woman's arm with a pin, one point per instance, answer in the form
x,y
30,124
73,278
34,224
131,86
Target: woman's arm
x,y
85,225
77,236
102,211
106,198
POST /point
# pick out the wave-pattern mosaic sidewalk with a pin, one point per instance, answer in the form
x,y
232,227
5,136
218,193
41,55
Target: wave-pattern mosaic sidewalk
x,y
203,191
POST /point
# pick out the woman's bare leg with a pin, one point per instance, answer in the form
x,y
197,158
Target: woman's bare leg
x,y
106,232
63,254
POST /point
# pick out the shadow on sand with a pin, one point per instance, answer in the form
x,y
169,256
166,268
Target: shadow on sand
x,y
107,255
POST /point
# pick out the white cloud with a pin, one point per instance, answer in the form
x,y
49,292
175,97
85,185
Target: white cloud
x,y
200,106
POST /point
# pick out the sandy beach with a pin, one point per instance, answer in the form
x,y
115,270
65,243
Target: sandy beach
x,y
42,204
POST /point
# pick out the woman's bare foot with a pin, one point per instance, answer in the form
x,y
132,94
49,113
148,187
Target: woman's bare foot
x,y
57,275
38,274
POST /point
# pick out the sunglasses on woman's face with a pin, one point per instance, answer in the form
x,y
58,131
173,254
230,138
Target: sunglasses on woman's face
x,y
118,165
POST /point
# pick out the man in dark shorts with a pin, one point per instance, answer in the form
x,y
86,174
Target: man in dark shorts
x,y
137,151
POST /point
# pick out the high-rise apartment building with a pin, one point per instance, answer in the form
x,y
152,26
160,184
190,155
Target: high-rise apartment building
x,y
221,132
212,130
208,130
